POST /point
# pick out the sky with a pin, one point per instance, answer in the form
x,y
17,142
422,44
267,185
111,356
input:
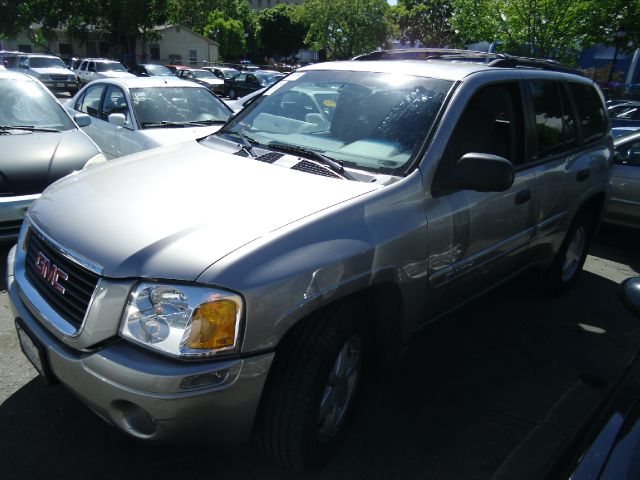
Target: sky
x,y
391,2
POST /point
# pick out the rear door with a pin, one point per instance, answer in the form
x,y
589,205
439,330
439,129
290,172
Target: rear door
x,y
569,123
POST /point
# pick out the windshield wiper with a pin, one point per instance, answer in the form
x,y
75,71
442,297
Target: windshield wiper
x,y
165,123
314,155
244,144
207,122
29,128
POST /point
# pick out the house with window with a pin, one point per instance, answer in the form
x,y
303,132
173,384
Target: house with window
x,y
165,44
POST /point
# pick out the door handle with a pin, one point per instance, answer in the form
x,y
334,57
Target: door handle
x,y
523,196
583,175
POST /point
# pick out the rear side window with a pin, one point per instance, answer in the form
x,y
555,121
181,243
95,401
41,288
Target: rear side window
x,y
555,127
592,116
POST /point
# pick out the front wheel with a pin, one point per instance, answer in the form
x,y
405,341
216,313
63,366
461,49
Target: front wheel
x,y
566,267
311,389
232,94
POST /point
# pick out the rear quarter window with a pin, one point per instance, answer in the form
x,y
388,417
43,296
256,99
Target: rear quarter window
x,y
592,116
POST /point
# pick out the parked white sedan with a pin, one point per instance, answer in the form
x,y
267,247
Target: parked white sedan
x,y
135,114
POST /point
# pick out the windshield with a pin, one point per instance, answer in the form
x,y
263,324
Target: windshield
x,y
203,74
175,106
46,62
110,67
270,79
371,121
230,72
158,70
29,104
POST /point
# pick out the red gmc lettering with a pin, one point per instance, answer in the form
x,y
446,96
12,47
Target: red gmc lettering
x,y
50,272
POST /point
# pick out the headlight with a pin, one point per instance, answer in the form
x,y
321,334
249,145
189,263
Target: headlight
x,y
182,320
95,160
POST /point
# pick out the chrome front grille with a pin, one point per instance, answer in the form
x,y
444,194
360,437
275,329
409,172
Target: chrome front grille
x,y
63,283
60,78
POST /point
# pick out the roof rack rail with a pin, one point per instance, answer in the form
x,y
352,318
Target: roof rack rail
x,y
500,60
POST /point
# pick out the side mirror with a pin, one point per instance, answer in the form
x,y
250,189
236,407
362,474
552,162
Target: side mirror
x,y
482,172
82,119
117,119
629,293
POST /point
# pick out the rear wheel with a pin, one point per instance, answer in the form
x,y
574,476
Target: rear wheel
x,y
311,389
566,267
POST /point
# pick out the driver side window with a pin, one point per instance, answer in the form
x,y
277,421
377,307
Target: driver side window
x,y
491,123
90,103
114,102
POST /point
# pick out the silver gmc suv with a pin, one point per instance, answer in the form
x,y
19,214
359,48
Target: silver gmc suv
x,y
237,285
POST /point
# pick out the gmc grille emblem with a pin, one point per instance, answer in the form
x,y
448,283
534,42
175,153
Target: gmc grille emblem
x,y
51,273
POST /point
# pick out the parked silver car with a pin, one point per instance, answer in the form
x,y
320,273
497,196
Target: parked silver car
x,y
130,115
39,142
237,283
624,205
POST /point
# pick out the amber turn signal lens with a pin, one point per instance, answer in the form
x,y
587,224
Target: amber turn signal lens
x,y
213,325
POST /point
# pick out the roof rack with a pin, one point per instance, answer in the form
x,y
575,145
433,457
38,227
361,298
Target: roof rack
x,y
501,60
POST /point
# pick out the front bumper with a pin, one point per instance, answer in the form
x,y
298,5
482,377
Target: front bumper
x,y
147,395
12,210
65,85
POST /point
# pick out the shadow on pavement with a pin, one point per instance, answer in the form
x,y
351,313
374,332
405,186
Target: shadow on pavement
x,y
472,387
618,244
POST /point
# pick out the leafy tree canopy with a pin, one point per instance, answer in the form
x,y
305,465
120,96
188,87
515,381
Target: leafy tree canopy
x,y
345,27
279,30
536,28
228,32
427,21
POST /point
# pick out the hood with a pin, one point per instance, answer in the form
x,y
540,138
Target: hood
x,y
53,71
212,81
172,212
31,161
112,74
159,137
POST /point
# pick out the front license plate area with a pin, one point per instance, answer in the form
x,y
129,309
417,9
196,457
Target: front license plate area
x,y
35,353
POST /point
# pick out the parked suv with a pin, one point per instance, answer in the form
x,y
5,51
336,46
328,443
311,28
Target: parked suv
x,y
95,68
49,69
237,284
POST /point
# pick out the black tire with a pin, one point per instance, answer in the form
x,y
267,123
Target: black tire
x,y
290,428
565,270
232,94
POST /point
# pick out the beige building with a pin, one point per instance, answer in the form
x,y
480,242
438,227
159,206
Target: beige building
x,y
168,44
262,4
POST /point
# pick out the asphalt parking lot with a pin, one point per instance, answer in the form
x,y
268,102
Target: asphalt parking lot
x,y
508,378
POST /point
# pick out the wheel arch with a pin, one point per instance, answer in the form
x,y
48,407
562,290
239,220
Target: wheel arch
x,y
383,316
594,207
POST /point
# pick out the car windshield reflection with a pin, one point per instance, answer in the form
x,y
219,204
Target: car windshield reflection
x,y
29,104
371,121
176,106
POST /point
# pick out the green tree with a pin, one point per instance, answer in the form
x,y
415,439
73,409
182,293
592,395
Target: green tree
x,y
615,22
345,27
49,15
228,32
535,28
427,21
279,30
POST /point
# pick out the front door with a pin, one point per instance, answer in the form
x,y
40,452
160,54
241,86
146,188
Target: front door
x,y
478,239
